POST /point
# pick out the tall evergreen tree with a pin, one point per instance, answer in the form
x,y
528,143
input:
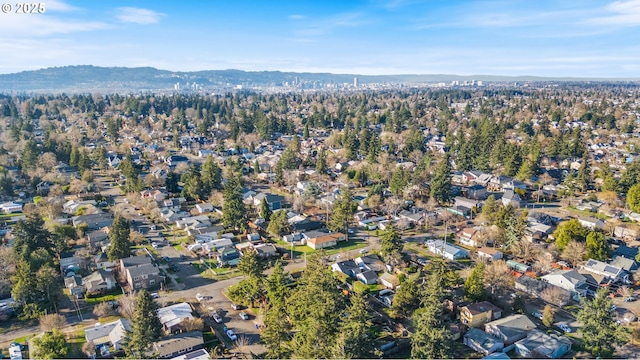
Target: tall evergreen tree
x,y
233,211
211,176
342,213
600,333
390,244
441,181
120,246
474,285
265,210
354,340
146,327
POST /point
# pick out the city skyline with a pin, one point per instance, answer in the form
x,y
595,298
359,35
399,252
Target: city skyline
x,y
376,37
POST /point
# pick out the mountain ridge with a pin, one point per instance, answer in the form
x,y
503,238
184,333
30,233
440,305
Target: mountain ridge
x,y
83,78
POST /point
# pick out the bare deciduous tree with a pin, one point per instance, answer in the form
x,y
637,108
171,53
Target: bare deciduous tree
x,y
192,324
574,252
497,275
555,295
103,310
52,321
127,304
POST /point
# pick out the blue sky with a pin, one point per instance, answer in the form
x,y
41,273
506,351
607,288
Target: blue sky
x,y
584,38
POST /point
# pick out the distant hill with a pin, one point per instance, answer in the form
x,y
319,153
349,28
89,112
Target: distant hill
x,y
87,78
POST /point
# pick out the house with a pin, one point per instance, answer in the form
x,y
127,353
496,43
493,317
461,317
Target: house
x,y
156,195
510,329
446,250
200,354
176,345
15,353
108,335
98,238
93,221
414,217
275,202
295,239
540,345
367,277
510,197
477,314
171,317
101,261
591,223
462,202
228,256
482,342
477,192
325,241
74,284
213,245
348,267
174,160
570,280
265,250
536,287
140,272
370,262
469,236
629,265
43,187
99,282
625,233
609,272
70,264
491,254
10,207
204,208
390,281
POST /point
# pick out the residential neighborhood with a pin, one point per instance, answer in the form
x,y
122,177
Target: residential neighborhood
x,y
224,222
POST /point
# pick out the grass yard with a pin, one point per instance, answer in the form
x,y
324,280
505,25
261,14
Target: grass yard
x,y
352,244
300,250
114,295
178,247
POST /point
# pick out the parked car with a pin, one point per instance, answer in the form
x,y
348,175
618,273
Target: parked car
x,y
363,251
167,259
235,306
154,245
200,297
630,299
217,318
232,336
154,295
537,315
613,308
20,346
244,316
564,327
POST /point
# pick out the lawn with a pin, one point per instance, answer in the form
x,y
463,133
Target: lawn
x,y
114,295
178,247
301,250
352,244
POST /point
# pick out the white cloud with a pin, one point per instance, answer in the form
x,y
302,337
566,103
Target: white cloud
x,y
44,25
138,15
56,5
297,17
621,13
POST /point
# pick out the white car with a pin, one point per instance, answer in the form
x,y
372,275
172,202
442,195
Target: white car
x,y
217,318
200,297
244,316
564,327
232,335
537,315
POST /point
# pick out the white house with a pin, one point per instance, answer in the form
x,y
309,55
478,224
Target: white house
x,y
446,250
10,207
